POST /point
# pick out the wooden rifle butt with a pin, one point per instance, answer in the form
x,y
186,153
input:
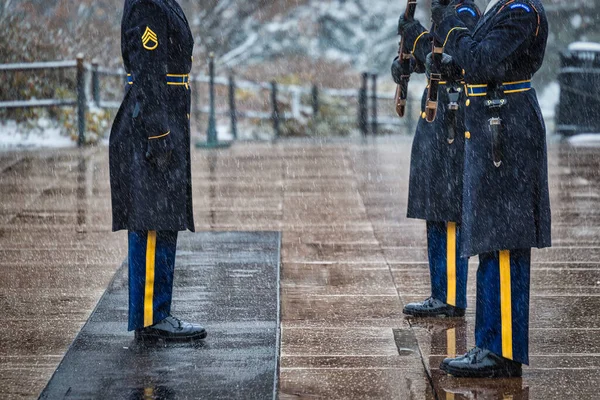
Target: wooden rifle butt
x,y
400,102
431,110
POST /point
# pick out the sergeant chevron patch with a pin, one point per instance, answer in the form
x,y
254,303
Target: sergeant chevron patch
x,y
149,39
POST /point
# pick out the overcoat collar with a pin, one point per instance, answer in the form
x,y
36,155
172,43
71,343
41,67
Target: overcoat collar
x,y
488,15
173,5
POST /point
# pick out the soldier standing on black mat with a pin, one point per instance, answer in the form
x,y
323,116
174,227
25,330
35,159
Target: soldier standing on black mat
x,y
150,171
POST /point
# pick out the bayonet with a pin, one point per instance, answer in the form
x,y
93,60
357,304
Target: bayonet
x,y
404,57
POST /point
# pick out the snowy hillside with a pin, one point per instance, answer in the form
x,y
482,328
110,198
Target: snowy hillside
x,y
327,42
361,33
358,33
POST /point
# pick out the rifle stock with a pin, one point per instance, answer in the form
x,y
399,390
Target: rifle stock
x,y
404,57
435,77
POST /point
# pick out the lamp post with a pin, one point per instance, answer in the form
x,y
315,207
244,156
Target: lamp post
x,y
212,141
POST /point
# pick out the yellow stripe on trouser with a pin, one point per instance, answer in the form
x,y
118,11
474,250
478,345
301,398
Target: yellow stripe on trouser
x,y
506,305
149,290
451,263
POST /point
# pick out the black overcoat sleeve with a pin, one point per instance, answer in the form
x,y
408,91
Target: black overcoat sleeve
x,y
421,39
418,42
468,13
483,60
147,39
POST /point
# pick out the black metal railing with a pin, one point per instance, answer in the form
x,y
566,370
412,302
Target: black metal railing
x,y
366,119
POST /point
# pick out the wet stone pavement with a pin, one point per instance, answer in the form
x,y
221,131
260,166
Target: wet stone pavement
x,y
229,281
349,261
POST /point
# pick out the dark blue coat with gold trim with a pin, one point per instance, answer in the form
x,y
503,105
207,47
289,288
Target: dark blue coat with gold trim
x,y
149,149
504,207
436,166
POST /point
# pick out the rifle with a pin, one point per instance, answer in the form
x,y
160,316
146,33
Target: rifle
x,y
435,77
404,57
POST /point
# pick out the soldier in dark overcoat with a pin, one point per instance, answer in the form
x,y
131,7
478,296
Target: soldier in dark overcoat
x,y
436,169
150,171
506,208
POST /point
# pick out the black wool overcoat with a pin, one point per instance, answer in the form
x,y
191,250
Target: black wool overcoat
x,y
436,164
505,207
150,172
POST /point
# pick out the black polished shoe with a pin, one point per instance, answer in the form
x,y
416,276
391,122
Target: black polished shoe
x,y
446,361
482,363
433,308
171,328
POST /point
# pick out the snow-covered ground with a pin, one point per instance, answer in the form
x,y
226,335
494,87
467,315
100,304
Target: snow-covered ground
x,y
44,134
548,97
585,140
47,134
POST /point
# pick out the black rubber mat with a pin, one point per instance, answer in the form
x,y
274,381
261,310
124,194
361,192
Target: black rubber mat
x,y
227,281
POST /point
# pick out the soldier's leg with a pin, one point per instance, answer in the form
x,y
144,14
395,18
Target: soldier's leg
x,y
502,317
502,320
436,254
138,245
151,266
166,247
448,273
151,269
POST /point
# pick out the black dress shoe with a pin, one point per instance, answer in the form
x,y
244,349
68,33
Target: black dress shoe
x,y
172,328
482,363
433,308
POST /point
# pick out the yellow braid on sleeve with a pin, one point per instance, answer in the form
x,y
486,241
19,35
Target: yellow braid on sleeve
x,y
459,28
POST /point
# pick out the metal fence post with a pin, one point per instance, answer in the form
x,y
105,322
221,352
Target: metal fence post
x,y
374,104
95,83
212,139
362,105
315,100
81,100
211,135
232,108
196,104
275,114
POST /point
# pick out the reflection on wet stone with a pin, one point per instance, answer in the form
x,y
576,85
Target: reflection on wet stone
x,y
441,338
151,392
341,209
406,342
489,389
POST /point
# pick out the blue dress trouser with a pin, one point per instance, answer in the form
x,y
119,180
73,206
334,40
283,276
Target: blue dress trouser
x,y
502,320
151,266
448,271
